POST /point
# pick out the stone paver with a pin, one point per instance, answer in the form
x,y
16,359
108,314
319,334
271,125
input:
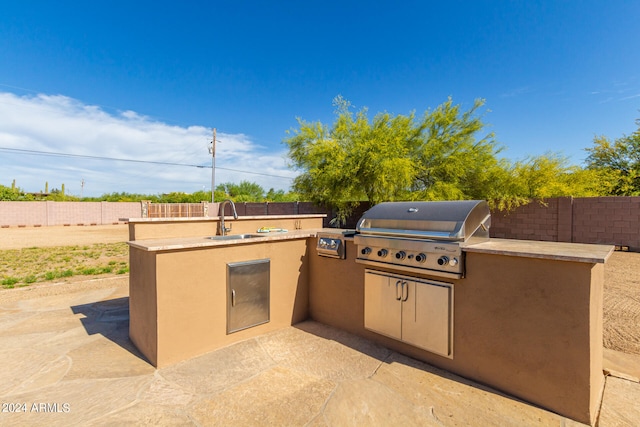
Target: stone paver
x,y
622,365
67,360
278,396
621,403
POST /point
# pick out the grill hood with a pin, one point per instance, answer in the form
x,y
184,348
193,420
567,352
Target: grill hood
x,y
462,221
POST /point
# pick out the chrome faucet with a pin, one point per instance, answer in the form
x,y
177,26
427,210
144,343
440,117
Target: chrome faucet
x,y
223,229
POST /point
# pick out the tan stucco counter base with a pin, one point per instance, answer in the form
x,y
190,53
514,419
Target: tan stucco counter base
x,y
527,320
527,315
178,298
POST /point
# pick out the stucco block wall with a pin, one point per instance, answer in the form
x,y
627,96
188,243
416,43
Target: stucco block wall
x,y
49,213
529,222
599,220
607,220
23,213
602,220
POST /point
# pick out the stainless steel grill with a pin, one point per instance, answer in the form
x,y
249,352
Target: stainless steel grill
x,y
422,237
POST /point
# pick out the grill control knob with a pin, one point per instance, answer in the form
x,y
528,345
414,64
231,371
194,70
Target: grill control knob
x,y
443,260
400,255
382,253
365,251
453,262
421,257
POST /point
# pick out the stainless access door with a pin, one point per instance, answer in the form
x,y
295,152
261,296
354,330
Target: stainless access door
x,y
247,294
382,304
427,320
416,311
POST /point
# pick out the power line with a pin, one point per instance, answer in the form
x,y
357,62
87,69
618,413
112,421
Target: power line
x,y
254,173
84,156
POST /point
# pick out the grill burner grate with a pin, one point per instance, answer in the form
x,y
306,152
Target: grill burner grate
x,y
422,237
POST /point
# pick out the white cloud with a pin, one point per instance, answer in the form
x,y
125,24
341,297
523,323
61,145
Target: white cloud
x,y
630,97
59,124
516,92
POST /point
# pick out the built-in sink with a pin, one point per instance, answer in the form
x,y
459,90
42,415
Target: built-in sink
x,y
235,237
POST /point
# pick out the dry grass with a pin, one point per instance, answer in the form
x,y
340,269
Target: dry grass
x,y
23,267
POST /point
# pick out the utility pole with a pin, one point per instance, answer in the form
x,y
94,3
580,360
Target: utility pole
x,y
212,150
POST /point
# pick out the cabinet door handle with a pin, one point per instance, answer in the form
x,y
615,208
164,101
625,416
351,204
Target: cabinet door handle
x,y
398,297
233,297
404,298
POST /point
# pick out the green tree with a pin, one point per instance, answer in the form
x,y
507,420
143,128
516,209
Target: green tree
x,y
180,197
398,157
280,196
454,159
618,162
14,193
9,193
356,159
551,175
245,191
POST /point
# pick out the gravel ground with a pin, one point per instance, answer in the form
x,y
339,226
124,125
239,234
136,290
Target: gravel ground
x,y
621,289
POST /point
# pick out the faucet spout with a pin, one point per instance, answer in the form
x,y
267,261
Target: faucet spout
x,y
223,229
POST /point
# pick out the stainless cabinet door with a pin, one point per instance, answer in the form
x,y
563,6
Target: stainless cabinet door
x,y
247,294
382,307
426,317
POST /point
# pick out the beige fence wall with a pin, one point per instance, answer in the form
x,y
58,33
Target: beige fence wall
x,y
603,220
42,214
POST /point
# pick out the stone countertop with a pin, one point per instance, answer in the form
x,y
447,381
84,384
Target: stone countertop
x,y
217,218
560,251
172,244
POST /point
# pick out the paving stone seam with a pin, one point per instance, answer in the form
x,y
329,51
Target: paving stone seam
x,y
262,347
24,381
200,396
389,356
194,395
189,415
113,412
123,407
335,388
599,410
325,403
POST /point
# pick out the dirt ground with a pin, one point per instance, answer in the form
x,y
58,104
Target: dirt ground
x,y
27,237
622,302
621,289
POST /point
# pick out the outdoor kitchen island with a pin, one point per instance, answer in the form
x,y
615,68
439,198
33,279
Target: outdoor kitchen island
x,y
526,318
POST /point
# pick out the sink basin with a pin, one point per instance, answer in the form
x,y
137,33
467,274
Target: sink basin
x,y
235,237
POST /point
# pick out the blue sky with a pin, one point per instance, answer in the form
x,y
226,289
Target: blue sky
x,y
147,80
